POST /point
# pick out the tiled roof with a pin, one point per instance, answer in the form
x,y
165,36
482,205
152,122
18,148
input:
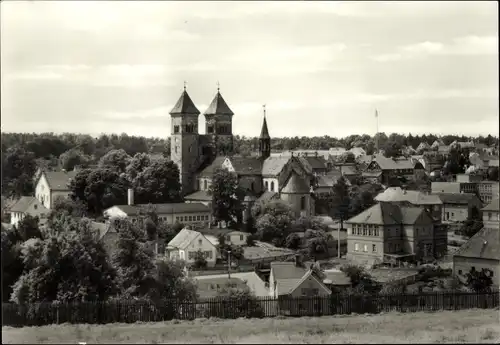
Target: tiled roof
x,y
349,170
295,185
59,180
443,149
393,164
183,238
267,195
247,165
316,163
409,215
287,270
210,170
200,195
326,180
365,159
456,198
485,245
382,214
273,166
492,206
396,194
264,133
218,106
25,202
336,278
181,207
185,105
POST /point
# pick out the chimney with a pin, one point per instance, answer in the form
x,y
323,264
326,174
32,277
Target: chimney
x,y
298,262
130,196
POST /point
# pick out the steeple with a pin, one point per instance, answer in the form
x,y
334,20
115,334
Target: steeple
x,y
184,105
264,139
218,105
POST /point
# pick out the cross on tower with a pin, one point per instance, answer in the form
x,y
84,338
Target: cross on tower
x,y
264,107
218,86
185,83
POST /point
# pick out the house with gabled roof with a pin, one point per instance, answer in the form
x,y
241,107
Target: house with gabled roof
x,y
458,207
491,215
383,169
187,243
51,185
390,232
27,205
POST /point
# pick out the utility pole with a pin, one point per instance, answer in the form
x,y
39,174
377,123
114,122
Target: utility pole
x,y
338,240
229,264
376,134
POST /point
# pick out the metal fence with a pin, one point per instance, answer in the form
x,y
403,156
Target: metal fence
x,y
338,304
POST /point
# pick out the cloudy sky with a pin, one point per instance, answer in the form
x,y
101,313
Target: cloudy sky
x,y
322,68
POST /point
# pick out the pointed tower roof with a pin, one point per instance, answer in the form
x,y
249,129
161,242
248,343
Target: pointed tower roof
x,y
264,132
218,106
295,185
185,105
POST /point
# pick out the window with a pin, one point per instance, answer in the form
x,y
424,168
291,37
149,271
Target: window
x,y
489,215
390,247
35,206
177,219
266,184
315,292
206,217
303,292
365,230
176,129
453,214
272,186
365,248
210,129
191,255
370,231
473,268
181,218
460,272
176,149
228,238
252,186
302,202
205,183
241,237
198,218
190,218
374,248
190,128
356,247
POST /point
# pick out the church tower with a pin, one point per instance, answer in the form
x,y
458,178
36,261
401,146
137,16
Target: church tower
x,y
184,140
219,125
264,139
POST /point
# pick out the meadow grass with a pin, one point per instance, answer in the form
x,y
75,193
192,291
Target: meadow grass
x,y
468,326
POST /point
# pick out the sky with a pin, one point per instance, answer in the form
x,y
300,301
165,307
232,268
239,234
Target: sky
x,y
321,68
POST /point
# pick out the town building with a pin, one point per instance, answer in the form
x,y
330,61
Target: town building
x,y
171,213
51,185
431,203
382,169
390,233
458,207
198,156
491,215
488,191
27,205
186,244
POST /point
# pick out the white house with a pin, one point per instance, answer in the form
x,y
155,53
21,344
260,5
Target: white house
x,y
51,185
27,205
231,237
187,243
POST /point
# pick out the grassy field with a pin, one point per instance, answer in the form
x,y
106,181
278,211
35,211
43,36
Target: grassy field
x,y
480,326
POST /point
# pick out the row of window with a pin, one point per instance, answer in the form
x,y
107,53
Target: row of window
x,y
365,248
201,218
266,185
222,129
365,230
228,238
473,268
309,292
208,254
190,128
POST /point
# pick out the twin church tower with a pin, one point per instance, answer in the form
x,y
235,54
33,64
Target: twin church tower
x,y
191,151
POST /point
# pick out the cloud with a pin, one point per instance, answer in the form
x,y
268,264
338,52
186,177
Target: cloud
x,y
467,45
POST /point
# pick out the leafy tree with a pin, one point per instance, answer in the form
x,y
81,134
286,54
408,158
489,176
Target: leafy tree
x,y
72,158
234,301
340,201
274,221
360,279
250,240
480,280
472,225
227,197
71,266
12,263
293,241
99,189
199,260
493,174
348,157
392,149
28,228
116,160
136,165
305,223
18,168
158,183
171,283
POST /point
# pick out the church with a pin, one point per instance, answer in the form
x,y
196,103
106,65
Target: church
x,y
290,178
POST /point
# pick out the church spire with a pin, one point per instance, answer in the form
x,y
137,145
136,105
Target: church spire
x,y
264,139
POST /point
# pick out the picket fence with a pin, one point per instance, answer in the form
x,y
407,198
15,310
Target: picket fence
x,y
338,304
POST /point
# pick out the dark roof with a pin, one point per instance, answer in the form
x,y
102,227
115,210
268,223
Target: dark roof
x,y
132,210
200,195
59,180
246,165
456,198
185,106
273,166
316,162
485,245
264,133
287,270
22,204
218,106
492,206
382,213
210,170
295,185
393,164
409,215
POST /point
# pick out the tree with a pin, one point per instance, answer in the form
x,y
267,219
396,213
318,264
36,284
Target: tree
x,y
360,279
12,263
116,160
158,183
293,241
28,228
493,174
348,157
274,220
72,158
340,201
18,168
234,301
479,280
473,224
392,149
70,266
136,165
227,197
99,189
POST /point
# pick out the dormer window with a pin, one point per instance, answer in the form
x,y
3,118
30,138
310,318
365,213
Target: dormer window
x,y
176,129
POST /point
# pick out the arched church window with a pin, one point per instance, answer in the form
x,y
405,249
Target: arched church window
x,y
205,185
303,203
272,186
266,184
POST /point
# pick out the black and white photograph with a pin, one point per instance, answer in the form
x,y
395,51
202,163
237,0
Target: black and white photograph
x,y
260,172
